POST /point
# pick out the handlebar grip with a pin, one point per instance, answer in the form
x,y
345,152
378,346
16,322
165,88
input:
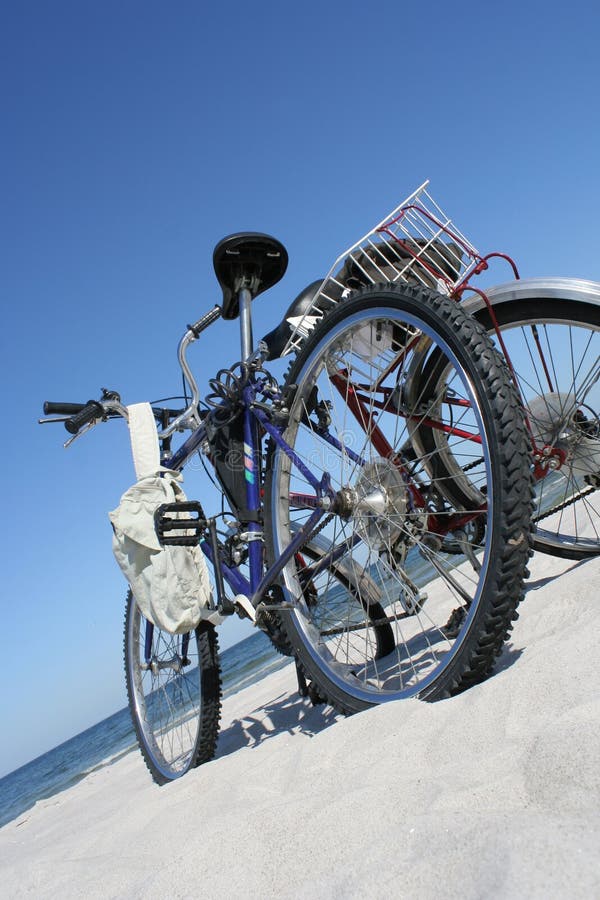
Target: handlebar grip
x,y
92,410
62,409
204,321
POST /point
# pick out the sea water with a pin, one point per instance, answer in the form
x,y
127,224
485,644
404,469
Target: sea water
x,y
103,744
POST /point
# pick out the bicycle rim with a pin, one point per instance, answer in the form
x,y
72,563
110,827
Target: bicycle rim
x,y
174,692
439,604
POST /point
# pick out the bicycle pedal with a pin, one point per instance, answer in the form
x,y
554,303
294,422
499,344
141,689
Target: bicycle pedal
x,y
174,530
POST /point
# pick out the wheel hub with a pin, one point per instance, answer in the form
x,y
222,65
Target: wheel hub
x,y
379,503
566,433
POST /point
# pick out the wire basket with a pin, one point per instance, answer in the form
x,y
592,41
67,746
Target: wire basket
x,y
416,243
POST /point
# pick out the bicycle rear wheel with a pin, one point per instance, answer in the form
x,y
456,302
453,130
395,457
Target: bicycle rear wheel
x,y
449,574
554,346
174,692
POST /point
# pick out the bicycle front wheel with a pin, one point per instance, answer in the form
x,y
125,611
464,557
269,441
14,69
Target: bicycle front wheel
x,y
448,565
174,692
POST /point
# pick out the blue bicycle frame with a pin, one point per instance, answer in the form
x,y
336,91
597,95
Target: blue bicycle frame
x,y
255,419
259,580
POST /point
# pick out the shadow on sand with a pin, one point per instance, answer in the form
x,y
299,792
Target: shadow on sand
x,y
286,713
542,582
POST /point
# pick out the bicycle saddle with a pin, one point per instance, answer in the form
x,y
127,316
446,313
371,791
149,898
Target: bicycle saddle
x,y
247,260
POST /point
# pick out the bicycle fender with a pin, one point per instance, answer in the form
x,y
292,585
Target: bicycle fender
x,y
575,289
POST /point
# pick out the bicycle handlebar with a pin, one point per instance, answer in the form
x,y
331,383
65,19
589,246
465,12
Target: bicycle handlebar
x,y
81,414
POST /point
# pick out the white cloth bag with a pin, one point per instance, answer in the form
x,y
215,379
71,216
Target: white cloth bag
x,y
170,584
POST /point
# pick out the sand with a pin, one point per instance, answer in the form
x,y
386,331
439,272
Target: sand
x,y
494,793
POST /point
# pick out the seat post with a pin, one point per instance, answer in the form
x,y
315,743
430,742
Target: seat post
x,y
245,301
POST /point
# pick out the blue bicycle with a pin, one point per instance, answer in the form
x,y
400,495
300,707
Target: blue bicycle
x,y
379,502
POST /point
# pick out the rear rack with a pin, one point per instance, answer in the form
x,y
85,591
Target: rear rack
x,y
416,243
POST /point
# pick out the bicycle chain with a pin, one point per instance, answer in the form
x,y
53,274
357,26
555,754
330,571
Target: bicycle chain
x,y
320,527
564,505
553,509
472,465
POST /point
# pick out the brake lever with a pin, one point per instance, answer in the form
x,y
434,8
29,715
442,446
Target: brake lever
x,y
80,433
112,406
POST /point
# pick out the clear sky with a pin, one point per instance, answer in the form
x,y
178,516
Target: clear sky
x,y
137,134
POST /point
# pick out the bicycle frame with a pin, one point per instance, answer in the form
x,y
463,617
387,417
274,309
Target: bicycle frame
x,y
258,581
255,420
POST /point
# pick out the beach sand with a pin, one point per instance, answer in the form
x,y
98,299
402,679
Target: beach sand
x,y
494,793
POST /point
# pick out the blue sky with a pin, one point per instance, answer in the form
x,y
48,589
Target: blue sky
x,y
136,135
